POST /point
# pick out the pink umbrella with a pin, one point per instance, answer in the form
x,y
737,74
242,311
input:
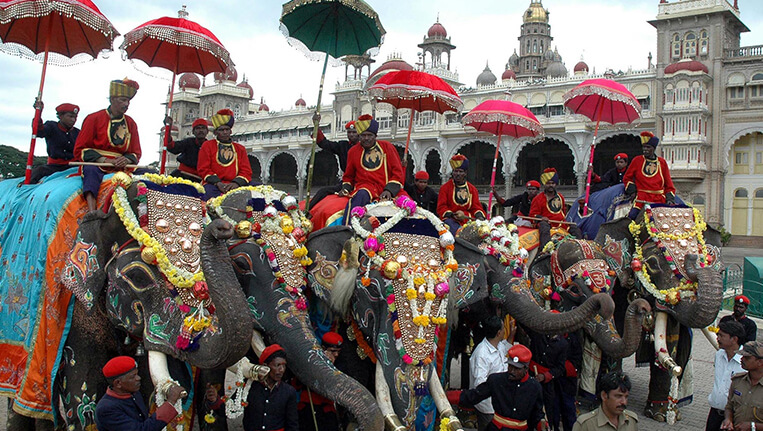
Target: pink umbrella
x,y
601,100
502,117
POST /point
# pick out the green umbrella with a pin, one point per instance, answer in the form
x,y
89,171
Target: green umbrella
x,y
336,28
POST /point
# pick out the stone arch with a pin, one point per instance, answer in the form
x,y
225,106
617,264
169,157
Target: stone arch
x,y
256,163
432,162
553,151
729,144
515,150
326,170
614,143
480,160
282,170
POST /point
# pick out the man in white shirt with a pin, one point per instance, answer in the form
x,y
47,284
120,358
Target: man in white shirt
x,y
488,357
728,361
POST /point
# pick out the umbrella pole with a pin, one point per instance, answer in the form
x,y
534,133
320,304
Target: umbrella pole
x,y
407,143
167,127
315,137
37,111
495,165
590,160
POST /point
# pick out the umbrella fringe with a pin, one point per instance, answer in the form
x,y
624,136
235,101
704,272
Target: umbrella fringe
x,y
608,93
514,119
385,91
175,37
92,18
54,58
357,5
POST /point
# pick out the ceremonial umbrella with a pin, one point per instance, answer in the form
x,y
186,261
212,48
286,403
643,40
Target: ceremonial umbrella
x,y
417,91
601,100
62,32
178,45
335,28
502,117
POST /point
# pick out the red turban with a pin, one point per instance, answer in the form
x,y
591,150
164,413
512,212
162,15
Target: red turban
x,y
199,122
533,183
619,156
331,339
350,126
421,175
67,107
119,366
742,299
519,356
270,352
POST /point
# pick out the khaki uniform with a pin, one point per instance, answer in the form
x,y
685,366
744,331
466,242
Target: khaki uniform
x,y
597,421
745,400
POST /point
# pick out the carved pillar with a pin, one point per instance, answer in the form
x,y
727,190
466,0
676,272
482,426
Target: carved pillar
x,y
582,177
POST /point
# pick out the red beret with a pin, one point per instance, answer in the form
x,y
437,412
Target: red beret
x,y
200,122
519,356
119,366
67,107
421,175
268,352
350,125
619,156
743,299
331,339
533,183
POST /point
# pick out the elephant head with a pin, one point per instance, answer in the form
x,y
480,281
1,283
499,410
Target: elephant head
x,y
144,261
271,231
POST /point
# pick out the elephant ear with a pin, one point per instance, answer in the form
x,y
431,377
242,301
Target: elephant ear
x,y
85,268
617,245
712,236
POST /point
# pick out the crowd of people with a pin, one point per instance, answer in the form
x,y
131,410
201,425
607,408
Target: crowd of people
x,y
520,386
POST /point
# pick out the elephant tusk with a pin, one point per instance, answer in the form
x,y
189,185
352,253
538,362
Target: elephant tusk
x,y
157,367
258,343
391,420
442,403
661,346
711,337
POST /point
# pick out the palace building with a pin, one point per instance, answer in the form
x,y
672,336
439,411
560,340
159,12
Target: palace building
x,y
702,94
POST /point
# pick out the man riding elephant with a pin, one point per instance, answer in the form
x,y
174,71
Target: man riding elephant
x,y
459,201
550,208
648,177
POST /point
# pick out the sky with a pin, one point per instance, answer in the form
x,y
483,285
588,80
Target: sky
x,y
607,34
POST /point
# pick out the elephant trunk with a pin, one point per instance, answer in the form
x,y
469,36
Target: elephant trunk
x,y
605,334
522,306
701,310
234,322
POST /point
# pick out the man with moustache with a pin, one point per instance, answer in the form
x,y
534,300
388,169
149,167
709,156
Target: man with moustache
x,y
458,200
549,207
223,164
746,392
741,303
60,137
187,150
612,414
648,177
728,362
522,201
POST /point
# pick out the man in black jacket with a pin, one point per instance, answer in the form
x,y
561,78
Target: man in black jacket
x,y
338,148
420,192
521,201
187,150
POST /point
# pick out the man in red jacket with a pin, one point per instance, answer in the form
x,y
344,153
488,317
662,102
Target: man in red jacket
x,y
549,207
108,136
223,164
459,201
648,177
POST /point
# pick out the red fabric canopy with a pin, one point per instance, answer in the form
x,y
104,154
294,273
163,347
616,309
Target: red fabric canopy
x,y
503,117
603,100
416,90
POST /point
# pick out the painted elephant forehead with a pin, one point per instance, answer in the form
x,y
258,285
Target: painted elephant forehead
x,y
676,230
175,221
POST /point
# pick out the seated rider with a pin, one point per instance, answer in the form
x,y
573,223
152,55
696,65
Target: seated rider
x,y
459,201
521,202
549,206
648,177
108,136
187,150
60,137
223,164
420,192
613,176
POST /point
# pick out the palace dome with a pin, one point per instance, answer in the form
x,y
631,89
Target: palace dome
x,y
508,74
245,84
300,102
535,13
229,75
189,80
580,67
686,65
437,30
486,77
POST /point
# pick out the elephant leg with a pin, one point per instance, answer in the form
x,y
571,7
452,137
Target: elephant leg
x,y
678,347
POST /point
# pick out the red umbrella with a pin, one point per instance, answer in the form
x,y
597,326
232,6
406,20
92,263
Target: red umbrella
x,y
502,117
417,91
37,29
178,45
601,100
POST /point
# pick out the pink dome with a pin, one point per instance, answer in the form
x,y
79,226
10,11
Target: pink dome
x,y
245,84
229,75
300,102
686,65
508,74
580,67
390,65
437,30
263,106
189,80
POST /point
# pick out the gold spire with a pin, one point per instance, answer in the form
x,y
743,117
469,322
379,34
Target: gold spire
x,y
535,13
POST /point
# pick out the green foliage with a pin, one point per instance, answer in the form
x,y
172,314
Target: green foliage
x,y
13,162
725,235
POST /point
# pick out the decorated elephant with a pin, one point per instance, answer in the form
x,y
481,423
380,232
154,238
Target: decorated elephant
x,y
669,259
136,272
399,274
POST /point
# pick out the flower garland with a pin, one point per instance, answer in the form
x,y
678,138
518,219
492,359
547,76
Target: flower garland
x,y
161,397
502,242
444,422
422,281
236,403
686,288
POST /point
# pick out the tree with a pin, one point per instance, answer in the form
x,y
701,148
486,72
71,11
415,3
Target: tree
x,y
13,162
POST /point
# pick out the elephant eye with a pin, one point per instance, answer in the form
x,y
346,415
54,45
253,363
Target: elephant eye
x,y
242,262
653,265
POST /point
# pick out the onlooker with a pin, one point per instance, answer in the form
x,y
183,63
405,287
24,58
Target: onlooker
x,y
746,391
420,192
521,202
728,362
187,150
60,137
612,413
489,357
316,412
122,408
337,148
741,303
272,404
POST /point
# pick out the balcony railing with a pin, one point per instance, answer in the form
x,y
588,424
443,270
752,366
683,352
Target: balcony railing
x,y
745,52
678,7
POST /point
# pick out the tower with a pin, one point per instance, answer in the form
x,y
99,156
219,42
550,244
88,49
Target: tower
x,y
534,43
436,44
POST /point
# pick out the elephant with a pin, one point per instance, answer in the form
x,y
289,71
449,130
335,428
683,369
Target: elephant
x,y
121,291
668,261
368,291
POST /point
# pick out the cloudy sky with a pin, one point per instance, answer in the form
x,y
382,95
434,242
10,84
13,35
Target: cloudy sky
x,y
606,33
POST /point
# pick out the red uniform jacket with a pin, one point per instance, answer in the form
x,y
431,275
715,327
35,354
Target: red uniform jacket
x,y
374,170
227,162
102,136
552,208
652,180
452,198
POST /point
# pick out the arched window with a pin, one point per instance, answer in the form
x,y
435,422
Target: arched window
x,y
740,193
676,46
535,46
669,95
690,45
704,43
698,200
759,193
757,77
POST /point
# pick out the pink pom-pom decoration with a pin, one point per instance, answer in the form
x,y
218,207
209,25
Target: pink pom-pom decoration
x,y
301,303
407,359
391,299
185,308
358,212
555,297
442,288
371,243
